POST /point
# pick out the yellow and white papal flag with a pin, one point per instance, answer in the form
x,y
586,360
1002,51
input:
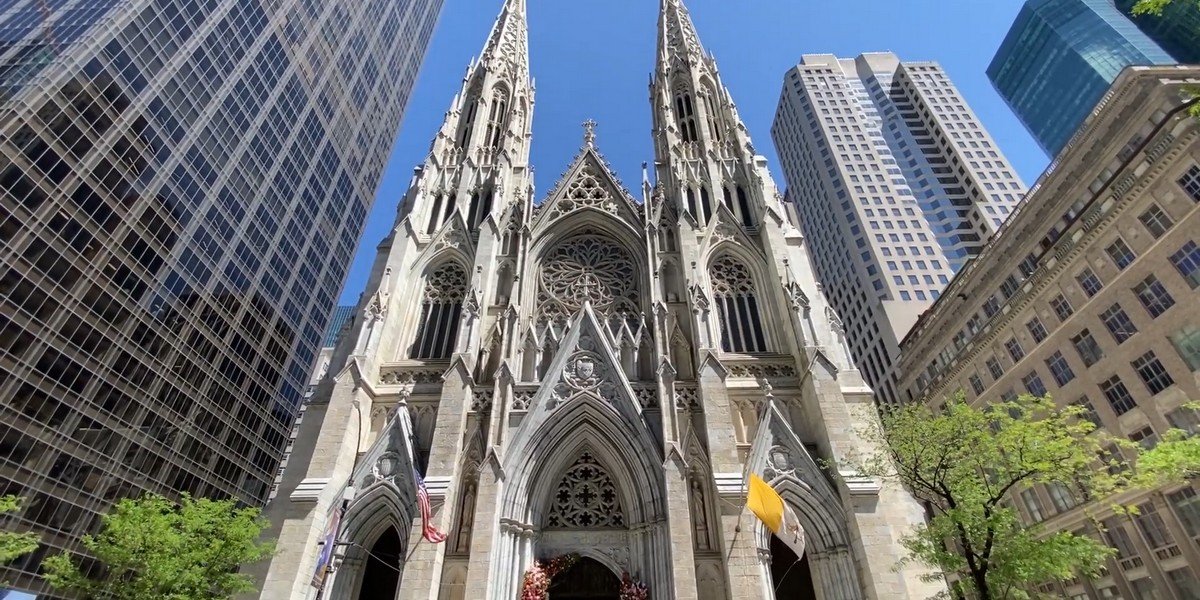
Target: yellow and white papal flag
x,y
769,507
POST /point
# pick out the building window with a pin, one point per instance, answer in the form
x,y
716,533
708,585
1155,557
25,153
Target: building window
x,y
1061,496
1118,395
1185,582
1187,262
976,384
1187,507
1145,437
991,306
1062,307
1014,350
1032,505
1153,296
1120,253
497,118
737,306
1036,329
993,366
1187,344
1033,384
445,288
1118,538
1089,411
1185,418
1156,221
1190,182
1089,351
1118,324
1152,372
1089,282
1059,369
1151,523
686,118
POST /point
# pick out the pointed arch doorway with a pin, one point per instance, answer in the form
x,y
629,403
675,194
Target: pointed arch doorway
x,y
382,576
790,578
588,579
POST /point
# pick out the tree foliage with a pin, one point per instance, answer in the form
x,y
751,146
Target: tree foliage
x,y
966,463
14,545
152,548
1156,8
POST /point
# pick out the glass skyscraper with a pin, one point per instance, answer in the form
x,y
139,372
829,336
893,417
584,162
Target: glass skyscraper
x,y
182,186
1177,29
1058,60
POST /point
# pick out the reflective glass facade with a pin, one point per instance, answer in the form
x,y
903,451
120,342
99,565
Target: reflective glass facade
x,y
1177,29
182,186
1058,60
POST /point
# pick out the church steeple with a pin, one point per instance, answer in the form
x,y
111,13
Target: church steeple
x,y
479,161
704,155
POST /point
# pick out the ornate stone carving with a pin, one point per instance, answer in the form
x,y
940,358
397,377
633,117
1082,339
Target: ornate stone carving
x,y
521,399
481,401
586,190
686,397
761,370
586,498
647,396
779,463
730,277
585,372
409,375
587,268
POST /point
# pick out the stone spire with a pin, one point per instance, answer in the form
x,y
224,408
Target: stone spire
x,y
507,48
677,37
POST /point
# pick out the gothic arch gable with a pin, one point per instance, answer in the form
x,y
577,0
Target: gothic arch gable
x,y
778,456
588,185
452,239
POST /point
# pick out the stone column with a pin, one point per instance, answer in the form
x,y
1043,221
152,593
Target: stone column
x,y
742,563
678,526
423,567
834,575
480,580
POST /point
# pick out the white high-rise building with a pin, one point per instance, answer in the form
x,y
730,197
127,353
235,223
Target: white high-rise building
x,y
594,374
897,184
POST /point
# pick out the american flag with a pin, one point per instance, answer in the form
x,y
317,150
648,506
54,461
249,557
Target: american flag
x,y
430,532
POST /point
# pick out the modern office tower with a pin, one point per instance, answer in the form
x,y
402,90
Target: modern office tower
x,y
591,374
897,184
1089,294
182,186
1177,29
1059,58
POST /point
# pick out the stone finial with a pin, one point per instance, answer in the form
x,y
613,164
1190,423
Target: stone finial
x,y
589,133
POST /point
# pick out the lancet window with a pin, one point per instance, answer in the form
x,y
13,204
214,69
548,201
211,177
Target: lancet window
x,y
481,205
440,211
468,123
736,301
685,116
710,111
497,117
586,498
445,288
703,211
738,203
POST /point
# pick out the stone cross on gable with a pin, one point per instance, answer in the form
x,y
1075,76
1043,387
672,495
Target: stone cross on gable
x,y
589,132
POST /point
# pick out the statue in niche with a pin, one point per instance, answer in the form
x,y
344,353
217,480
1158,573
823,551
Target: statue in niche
x,y
700,516
466,519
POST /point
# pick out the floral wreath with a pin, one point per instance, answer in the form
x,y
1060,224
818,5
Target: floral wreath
x,y
536,584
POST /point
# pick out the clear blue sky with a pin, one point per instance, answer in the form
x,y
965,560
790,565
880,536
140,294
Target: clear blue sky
x,y
593,59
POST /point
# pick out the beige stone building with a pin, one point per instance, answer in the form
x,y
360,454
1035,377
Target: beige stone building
x,y
595,373
1089,293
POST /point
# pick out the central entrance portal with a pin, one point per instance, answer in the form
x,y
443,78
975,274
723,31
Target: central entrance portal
x,y
586,580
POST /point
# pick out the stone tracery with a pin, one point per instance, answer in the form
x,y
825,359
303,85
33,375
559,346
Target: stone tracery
x,y
587,268
586,497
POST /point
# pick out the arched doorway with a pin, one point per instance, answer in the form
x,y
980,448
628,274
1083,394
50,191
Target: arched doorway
x,y
790,579
586,580
382,574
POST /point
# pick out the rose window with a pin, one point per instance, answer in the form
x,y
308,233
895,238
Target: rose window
x,y
583,269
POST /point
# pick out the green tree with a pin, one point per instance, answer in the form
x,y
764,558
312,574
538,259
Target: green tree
x,y
966,463
152,548
1155,8
13,545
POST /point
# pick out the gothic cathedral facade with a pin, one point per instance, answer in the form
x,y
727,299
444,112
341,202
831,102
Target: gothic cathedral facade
x,y
593,374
